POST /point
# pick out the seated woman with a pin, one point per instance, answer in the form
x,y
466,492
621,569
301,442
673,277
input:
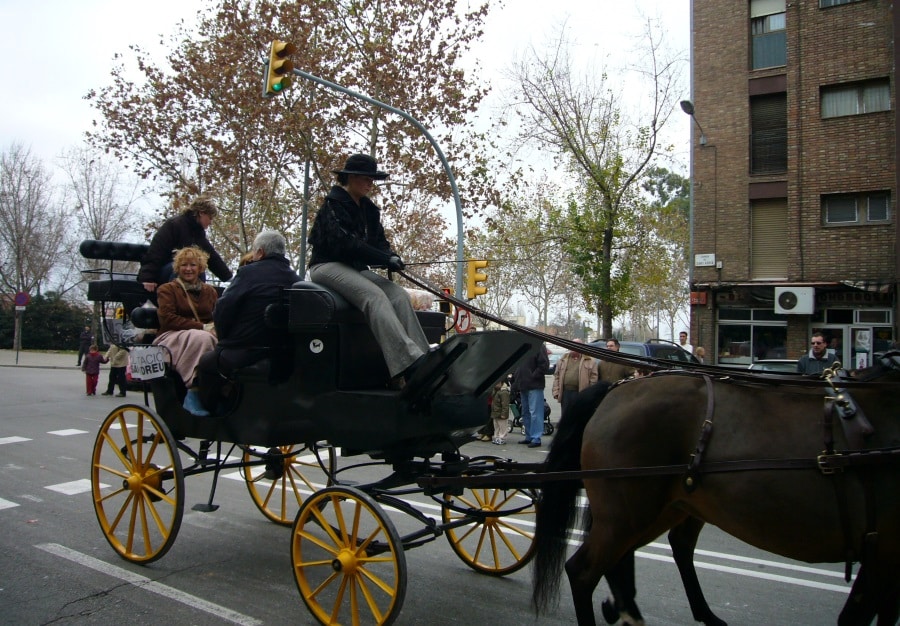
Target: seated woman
x,y
185,319
347,237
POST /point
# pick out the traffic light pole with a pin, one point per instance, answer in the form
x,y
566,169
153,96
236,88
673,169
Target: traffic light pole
x,y
437,149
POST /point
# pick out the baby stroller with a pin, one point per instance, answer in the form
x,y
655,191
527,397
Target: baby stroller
x,y
515,408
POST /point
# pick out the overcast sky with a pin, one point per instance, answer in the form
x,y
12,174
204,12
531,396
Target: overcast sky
x,y
52,52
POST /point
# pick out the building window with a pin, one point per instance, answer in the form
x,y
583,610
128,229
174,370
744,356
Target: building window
x,y
747,335
768,239
768,134
865,208
824,4
767,33
856,99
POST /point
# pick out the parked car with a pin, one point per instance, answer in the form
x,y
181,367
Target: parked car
x,y
775,365
654,348
554,354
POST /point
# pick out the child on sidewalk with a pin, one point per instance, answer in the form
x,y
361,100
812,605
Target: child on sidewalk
x,y
500,413
90,365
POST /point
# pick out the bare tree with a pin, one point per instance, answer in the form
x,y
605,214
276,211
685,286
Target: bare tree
x,y
584,122
102,196
32,224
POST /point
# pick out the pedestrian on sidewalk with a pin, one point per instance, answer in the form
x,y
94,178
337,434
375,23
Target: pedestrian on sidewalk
x,y
90,365
85,339
118,360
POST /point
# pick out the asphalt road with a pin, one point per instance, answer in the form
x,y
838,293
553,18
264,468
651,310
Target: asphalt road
x,y
233,566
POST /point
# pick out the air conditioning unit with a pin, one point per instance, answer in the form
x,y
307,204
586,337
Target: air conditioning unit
x,y
795,300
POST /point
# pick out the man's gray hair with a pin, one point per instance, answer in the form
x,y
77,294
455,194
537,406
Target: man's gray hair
x,y
270,242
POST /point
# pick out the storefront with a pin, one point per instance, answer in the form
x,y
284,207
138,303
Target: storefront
x,y
745,324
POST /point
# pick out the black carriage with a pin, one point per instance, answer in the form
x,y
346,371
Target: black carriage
x,y
283,424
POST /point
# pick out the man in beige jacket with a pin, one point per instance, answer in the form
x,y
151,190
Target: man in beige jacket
x,y
574,372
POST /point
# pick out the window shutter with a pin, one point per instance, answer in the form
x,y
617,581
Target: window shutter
x,y
769,239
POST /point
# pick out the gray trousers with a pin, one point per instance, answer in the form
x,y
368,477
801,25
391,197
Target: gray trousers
x,y
386,307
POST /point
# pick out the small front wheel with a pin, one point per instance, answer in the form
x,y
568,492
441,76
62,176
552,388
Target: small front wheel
x,y
137,484
347,558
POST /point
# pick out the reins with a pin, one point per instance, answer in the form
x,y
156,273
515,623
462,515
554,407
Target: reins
x,y
643,362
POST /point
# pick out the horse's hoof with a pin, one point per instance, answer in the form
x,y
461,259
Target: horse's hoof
x,y
610,612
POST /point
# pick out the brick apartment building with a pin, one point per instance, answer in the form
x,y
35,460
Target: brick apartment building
x,y
794,172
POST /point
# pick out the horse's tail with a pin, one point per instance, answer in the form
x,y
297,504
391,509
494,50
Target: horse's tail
x,y
556,509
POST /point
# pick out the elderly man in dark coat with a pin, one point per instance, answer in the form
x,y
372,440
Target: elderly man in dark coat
x,y
244,337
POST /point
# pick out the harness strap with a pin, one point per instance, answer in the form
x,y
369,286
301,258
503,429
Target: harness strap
x,y
692,476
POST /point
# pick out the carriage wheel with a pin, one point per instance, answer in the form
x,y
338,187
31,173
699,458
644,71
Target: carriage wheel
x,y
137,484
347,558
279,487
499,544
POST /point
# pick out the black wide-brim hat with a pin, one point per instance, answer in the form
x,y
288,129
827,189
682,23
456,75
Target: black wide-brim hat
x,y
363,165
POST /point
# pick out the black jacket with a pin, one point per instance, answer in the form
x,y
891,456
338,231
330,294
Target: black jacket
x,y
348,233
530,374
239,311
178,232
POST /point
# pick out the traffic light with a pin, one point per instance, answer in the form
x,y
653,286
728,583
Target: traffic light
x,y
444,305
278,71
474,277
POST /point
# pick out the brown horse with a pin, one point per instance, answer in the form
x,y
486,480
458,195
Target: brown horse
x,y
779,500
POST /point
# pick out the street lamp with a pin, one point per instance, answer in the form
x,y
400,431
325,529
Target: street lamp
x,y
688,107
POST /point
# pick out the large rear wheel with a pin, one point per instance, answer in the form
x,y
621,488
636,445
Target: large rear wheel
x,y
500,538
347,558
290,475
137,484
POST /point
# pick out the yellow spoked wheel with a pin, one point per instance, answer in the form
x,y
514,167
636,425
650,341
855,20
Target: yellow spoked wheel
x,y
500,539
137,484
292,473
347,558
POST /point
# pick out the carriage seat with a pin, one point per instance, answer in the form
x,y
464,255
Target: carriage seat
x,y
313,306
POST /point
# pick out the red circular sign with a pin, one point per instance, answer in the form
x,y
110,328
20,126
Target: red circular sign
x,y
22,298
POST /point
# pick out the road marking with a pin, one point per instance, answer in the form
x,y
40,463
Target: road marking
x,y
754,561
6,504
145,583
67,432
13,440
751,573
73,488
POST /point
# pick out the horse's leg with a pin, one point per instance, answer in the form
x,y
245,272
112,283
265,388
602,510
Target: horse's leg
x,y
889,605
621,583
683,539
583,579
860,608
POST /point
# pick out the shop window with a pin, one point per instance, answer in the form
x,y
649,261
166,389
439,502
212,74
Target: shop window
x,y
741,343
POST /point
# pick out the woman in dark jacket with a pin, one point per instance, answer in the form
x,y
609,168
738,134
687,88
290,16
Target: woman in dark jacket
x,y
181,231
346,238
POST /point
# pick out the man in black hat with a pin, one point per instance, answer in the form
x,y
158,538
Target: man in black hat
x,y
346,238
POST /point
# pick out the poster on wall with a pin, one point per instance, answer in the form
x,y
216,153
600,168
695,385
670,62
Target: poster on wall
x,y
862,346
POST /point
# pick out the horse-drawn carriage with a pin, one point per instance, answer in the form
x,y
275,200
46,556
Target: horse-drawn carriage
x,y
288,419
808,469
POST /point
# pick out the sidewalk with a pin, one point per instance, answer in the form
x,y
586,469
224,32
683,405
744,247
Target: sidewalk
x,y
50,360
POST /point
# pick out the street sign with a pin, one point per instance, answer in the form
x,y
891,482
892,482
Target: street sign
x,y
22,299
463,321
20,308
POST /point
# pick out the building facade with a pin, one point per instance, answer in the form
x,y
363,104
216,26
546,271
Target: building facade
x,y
794,178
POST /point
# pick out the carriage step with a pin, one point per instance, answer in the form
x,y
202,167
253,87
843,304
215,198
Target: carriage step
x,y
204,507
